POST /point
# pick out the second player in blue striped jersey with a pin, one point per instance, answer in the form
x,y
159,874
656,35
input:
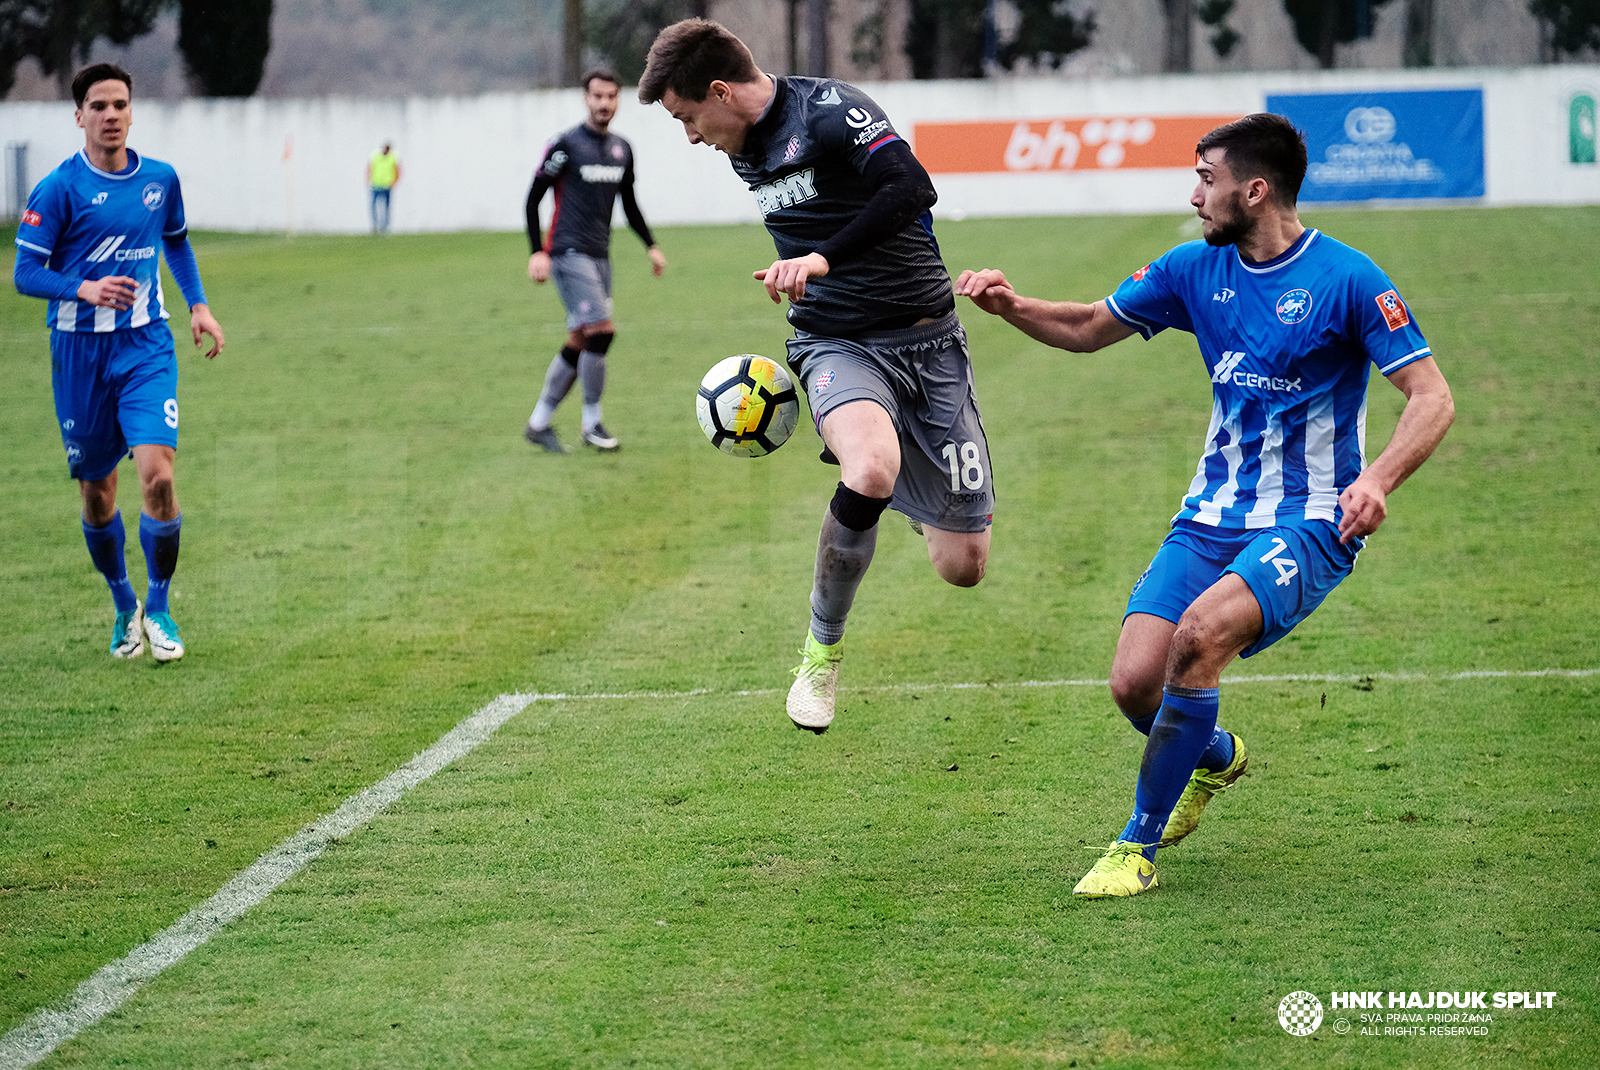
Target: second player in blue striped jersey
x,y
89,223
1289,323
91,243
1288,345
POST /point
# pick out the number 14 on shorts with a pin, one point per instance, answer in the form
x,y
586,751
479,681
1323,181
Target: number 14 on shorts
x,y
1288,568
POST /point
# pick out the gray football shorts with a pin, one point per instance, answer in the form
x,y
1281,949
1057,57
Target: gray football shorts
x,y
922,377
584,283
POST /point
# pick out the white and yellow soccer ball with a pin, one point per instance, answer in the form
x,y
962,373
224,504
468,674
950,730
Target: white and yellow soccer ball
x,y
747,405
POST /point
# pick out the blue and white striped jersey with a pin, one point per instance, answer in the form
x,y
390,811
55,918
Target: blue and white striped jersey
x,y
1287,344
90,223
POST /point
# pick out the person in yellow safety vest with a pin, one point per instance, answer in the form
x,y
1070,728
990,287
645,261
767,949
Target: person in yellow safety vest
x,y
383,171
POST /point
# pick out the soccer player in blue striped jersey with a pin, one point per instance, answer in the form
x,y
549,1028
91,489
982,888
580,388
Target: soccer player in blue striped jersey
x,y
90,243
1288,321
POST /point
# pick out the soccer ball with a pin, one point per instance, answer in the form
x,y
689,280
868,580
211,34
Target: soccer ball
x,y
747,405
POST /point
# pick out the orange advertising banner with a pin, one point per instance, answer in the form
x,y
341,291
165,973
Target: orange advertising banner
x,y
1100,143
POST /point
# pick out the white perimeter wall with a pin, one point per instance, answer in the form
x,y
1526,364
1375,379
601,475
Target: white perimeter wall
x,y
299,165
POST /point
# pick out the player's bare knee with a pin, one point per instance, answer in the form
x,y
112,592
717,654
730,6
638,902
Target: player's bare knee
x,y
872,475
1200,649
160,496
1189,646
960,563
965,576
99,503
1134,689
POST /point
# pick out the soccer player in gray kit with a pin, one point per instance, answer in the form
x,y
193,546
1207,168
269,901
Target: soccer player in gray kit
x,y
587,167
877,345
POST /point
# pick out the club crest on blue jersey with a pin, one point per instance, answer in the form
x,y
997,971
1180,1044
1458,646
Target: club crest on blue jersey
x,y
154,195
1294,306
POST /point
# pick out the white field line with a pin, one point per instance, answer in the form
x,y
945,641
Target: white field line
x,y
113,984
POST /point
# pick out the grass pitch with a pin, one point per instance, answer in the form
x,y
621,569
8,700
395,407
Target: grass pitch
x,y
674,879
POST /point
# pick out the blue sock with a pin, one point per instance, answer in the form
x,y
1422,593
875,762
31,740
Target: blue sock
x,y
1219,752
106,551
1182,731
160,541
1145,723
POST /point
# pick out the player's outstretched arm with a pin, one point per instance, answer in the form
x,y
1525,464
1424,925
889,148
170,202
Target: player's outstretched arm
x,y
202,322
1429,412
1064,324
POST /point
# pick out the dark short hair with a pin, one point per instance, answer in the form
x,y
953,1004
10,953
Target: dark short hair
x,y
98,72
602,74
1262,145
689,55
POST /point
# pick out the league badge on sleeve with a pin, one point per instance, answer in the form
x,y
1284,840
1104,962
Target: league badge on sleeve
x,y
1394,310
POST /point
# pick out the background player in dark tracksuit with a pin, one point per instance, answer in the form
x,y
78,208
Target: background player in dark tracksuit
x,y
587,166
847,205
91,242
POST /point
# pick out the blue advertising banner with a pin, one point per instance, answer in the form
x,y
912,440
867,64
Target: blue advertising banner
x,y
1400,145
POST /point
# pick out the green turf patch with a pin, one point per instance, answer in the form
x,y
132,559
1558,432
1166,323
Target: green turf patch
x,y
371,552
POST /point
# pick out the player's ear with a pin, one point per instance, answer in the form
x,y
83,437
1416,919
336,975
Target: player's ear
x,y
721,90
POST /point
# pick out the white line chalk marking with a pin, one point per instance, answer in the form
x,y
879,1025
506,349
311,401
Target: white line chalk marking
x,y
113,984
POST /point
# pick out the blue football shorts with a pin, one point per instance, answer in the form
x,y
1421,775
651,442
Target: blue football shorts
x,y
1290,568
114,390
584,283
922,377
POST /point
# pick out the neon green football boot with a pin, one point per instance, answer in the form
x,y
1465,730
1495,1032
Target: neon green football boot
x,y
1122,870
1203,784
